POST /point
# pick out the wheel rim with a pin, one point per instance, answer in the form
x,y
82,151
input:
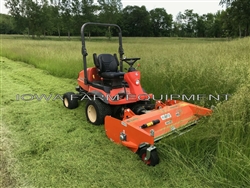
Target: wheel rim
x,y
66,102
143,159
92,113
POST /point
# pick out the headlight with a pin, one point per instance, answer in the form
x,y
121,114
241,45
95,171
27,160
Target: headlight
x,y
137,82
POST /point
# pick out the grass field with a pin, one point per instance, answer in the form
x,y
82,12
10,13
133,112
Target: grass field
x,y
46,145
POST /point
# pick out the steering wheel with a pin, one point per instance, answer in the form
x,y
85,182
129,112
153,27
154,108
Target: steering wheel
x,y
131,61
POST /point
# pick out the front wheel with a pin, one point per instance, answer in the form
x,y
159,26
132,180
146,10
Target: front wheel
x,y
96,111
70,100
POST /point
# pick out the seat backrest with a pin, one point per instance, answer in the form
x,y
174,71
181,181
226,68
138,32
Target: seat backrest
x,y
107,63
96,62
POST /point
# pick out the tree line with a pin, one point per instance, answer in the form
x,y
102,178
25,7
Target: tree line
x,y
65,17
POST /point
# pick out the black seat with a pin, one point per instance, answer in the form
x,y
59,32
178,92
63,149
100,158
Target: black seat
x,y
108,66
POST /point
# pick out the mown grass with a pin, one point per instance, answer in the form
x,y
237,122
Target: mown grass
x,y
57,148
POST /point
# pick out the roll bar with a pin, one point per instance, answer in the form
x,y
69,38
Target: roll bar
x,y
84,50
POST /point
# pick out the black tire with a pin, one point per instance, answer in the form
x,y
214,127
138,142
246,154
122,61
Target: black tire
x,y
96,110
70,100
154,158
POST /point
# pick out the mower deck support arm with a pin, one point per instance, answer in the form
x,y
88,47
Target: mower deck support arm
x,y
148,153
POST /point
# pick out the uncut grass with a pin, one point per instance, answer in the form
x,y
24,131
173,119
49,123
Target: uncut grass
x,y
168,66
219,146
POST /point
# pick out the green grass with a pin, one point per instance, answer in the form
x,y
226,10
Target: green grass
x,y
55,147
186,66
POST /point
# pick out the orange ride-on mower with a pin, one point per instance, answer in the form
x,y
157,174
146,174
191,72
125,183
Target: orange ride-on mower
x,y
116,99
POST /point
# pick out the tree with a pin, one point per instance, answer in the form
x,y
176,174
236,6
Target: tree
x,y
76,13
237,15
33,14
227,23
201,26
66,12
55,17
240,11
209,25
218,32
46,21
187,23
89,14
17,12
227,2
7,24
161,22
109,10
109,13
136,21
178,26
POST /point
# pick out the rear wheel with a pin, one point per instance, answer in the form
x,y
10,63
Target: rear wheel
x,y
96,111
70,100
154,158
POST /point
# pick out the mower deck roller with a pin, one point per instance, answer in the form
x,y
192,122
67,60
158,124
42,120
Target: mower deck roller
x,y
140,132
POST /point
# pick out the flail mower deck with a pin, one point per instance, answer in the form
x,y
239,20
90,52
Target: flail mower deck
x,y
116,99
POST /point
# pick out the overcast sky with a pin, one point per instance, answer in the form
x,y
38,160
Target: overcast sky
x,y
175,6
171,6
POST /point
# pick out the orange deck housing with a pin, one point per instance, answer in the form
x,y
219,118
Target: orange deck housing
x,y
173,115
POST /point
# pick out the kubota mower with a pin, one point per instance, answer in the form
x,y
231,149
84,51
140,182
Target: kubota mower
x,y
116,99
